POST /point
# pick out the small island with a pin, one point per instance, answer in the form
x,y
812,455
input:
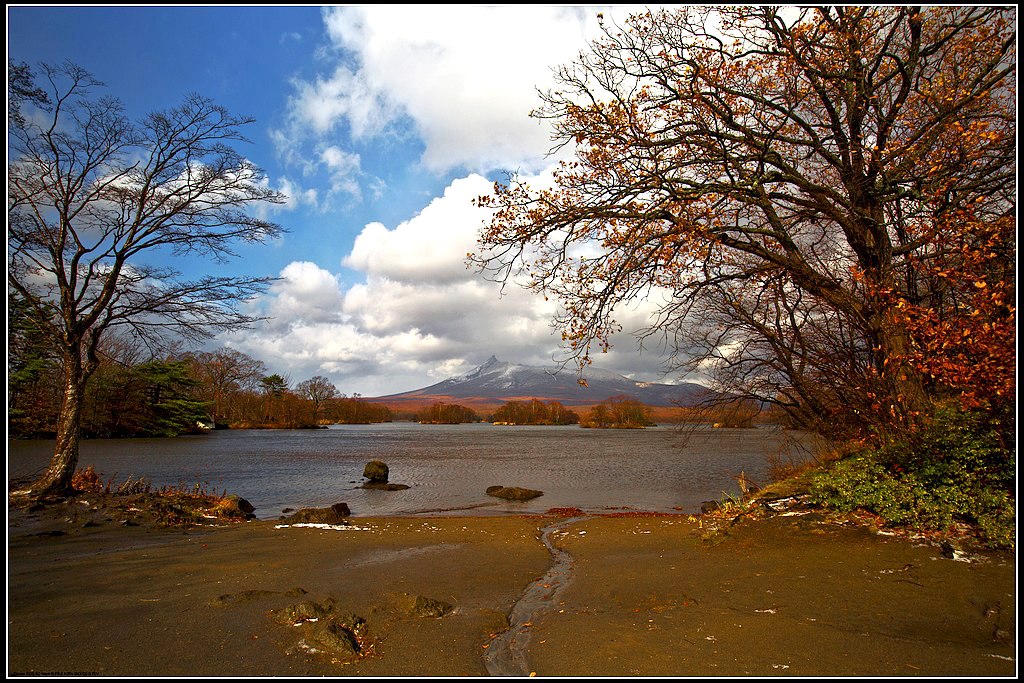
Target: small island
x,y
618,412
534,412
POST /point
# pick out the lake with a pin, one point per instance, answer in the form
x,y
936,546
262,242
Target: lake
x,y
448,467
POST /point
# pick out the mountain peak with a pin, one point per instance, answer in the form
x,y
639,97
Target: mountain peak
x,y
500,380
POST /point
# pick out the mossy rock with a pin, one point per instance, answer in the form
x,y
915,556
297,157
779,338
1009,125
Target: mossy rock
x,y
376,471
304,611
320,516
421,606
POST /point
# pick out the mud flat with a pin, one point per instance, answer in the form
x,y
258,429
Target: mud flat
x,y
415,596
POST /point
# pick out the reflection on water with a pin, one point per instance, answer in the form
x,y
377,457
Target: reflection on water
x,y
447,466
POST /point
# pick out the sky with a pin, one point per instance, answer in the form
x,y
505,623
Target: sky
x,y
381,124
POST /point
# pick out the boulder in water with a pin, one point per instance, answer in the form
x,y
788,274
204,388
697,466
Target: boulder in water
x,y
376,471
513,492
383,486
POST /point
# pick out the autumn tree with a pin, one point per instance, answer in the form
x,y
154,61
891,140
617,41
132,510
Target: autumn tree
x,y
619,412
317,390
821,200
98,204
535,412
227,377
446,413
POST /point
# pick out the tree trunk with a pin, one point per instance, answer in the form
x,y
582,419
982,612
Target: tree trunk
x,y
56,481
902,384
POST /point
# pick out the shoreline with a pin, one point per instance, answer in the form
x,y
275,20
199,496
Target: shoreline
x,y
645,595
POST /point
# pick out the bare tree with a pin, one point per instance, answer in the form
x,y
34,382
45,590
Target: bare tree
x,y
317,389
223,375
98,203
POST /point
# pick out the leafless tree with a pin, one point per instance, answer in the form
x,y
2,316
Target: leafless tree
x,y
97,204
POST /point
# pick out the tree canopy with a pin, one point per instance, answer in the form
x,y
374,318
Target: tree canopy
x,y
821,201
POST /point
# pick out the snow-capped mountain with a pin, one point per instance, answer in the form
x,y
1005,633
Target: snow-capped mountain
x,y
500,381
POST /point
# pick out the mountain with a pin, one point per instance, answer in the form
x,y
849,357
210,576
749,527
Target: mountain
x,y
497,381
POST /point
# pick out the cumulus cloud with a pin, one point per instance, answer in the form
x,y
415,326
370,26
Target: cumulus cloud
x,y
432,246
305,293
416,314
466,77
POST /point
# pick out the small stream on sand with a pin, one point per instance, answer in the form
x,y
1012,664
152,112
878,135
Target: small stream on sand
x,y
506,655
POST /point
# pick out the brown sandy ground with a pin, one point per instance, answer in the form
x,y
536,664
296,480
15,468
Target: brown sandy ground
x,y
789,596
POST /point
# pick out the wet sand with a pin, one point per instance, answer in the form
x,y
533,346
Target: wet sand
x,y
651,596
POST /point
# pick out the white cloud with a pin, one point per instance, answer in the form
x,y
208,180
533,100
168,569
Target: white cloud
x,y
418,315
296,195
432,246
306,293
466,76
344,171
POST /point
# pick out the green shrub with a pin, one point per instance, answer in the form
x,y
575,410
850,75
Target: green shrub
x,y
955,469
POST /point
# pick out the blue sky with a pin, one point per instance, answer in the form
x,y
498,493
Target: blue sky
x,y
381,124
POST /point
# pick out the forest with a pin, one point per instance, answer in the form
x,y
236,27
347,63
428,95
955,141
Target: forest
x,y
133,394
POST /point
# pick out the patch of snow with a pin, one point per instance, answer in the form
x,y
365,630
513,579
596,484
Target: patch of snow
x,y
332,527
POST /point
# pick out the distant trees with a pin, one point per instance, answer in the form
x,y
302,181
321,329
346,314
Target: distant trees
x,y
356,410
90,195
133,394
444,413
535,412
227,380
618,412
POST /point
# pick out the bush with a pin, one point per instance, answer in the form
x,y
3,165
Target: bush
x,y
956,469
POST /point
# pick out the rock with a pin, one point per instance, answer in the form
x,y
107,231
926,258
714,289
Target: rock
x,y
353,623
513,492
334,639
382,486
709,506
421,606
320,515
376,471
236,506
287,510
304,611
341,509
241,503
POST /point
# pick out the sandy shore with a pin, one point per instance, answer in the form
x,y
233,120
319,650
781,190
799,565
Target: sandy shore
x,y
651,596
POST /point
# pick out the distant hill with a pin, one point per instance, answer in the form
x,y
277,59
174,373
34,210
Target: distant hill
x,y
496,382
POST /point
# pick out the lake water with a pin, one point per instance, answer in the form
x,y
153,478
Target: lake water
x,y
447,466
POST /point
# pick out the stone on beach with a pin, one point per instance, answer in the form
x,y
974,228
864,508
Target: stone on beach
x,y
335,514
304,611
238,507
421,606
513,492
